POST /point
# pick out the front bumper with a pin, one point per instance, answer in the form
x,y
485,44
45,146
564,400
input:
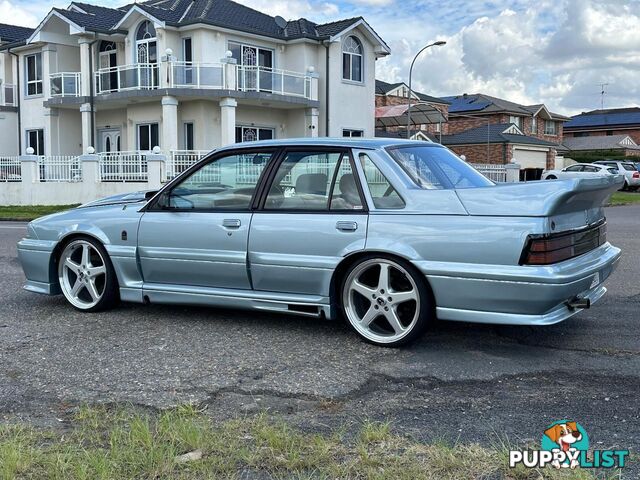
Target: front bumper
x,y
520,295
35,258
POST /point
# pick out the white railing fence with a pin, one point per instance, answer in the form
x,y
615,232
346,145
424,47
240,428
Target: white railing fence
x,y
197,75
497,173
8,95
10,169
65,84
180,160
61,168
271,80
141,76
123,167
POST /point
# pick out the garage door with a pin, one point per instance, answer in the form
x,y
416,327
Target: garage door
x,y
530,158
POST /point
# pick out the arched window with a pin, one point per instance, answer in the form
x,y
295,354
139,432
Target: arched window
x,y
107,46
352,55
146,31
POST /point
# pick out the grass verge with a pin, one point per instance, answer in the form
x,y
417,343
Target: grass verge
x,y
123,443
29,212
624,198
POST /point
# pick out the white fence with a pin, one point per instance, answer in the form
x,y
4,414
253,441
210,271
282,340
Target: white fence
x,y
123,167
197,75
65,84
497,173
141,76
180,160
10,169
59,169
271,80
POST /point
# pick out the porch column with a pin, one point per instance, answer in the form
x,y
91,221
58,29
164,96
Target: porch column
x,y
85,69
228,121
85,113
169,124
311,122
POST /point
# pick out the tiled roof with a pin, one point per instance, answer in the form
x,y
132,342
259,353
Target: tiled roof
x,y
101,21
606,118
600,142
479,135
481,103
12,33
383,88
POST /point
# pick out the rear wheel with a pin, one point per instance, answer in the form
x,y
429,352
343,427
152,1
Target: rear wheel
x,y
386,301
86,276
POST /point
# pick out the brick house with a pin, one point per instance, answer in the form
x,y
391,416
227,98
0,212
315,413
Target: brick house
x,y
610,122
388,94
487,129
604,145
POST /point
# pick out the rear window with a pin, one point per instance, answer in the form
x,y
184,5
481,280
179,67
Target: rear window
x,y
437,168
628,166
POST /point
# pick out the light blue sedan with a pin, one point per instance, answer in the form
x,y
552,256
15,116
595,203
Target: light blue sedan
x,y
390,234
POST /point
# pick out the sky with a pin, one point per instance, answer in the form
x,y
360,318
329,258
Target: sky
x,y
555,52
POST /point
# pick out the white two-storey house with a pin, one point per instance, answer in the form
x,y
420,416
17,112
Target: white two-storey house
x,y
183,75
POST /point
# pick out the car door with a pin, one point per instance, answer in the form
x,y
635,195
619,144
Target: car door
x,y
195,233
311,215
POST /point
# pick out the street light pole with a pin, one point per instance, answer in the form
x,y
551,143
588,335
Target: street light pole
x,y
434,44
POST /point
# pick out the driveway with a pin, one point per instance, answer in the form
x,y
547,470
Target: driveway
x,y
461,381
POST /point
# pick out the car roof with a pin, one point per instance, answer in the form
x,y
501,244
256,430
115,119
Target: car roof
x,y
362,143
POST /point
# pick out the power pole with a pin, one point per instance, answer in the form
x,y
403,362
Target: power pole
x,y
603,92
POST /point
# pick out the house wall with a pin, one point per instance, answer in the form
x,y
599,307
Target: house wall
x,y
8,133
460,124
499,153
633,132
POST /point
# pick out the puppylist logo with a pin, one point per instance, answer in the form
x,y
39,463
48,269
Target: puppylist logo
x,y
565,444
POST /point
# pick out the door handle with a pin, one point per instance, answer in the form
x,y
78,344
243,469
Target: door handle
x,y
231,223
347,226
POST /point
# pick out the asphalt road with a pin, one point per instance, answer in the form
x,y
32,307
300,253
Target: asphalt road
x,y
460,382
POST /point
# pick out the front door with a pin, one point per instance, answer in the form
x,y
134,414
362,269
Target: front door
x,y
196,233
109,140
312,217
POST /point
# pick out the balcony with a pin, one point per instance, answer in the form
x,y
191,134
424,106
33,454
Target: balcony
x,y
8,95
65,84
206,76
141,76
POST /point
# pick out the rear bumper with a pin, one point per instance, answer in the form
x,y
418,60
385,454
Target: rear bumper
x,y
521,295
35,258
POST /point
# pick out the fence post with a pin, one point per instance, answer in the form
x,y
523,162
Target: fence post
x,y
313,86
229,72
513,172
30,176
156,168
90,165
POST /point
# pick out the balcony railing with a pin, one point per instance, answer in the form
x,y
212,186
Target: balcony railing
x,y
8,95
65,84
271,80
197,75
141,76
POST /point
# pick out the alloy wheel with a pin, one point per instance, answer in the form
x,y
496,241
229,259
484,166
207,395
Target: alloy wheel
x,y
83,274
381,300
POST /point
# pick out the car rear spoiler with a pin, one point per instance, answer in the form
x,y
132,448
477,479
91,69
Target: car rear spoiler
x,y
541,198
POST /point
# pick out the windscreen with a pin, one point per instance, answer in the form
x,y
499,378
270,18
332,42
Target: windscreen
x,y
437,168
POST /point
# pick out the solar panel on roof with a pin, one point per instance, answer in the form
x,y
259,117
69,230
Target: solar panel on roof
x,y
604,119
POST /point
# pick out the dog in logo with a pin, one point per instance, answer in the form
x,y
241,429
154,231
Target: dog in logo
x,y
564,435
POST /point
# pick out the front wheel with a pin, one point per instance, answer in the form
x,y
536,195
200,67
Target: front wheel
x,y
386,301
86,276
551,177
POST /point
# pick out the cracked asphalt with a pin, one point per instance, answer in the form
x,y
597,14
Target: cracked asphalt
x,y
460,382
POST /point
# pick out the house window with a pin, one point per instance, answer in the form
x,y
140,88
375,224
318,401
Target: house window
x,y
251,134
517,121
35,140
33,67
351,133
534,125
147,136
352,59
188,136
609,133
549,127
187,50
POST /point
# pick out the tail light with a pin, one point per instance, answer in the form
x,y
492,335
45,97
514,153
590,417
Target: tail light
x,y
636,174
557,247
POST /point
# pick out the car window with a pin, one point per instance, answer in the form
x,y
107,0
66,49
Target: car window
x,y
433,167
629,167
613,171
227,183
589,168
574,168
304,181
382,192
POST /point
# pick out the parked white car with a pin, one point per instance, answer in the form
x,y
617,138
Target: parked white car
x,y
579,170
628,169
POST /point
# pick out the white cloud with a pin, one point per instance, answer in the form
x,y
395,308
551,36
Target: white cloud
x,y
14,14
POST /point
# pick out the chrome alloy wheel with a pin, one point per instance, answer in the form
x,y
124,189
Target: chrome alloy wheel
x,y
83,274
381,300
